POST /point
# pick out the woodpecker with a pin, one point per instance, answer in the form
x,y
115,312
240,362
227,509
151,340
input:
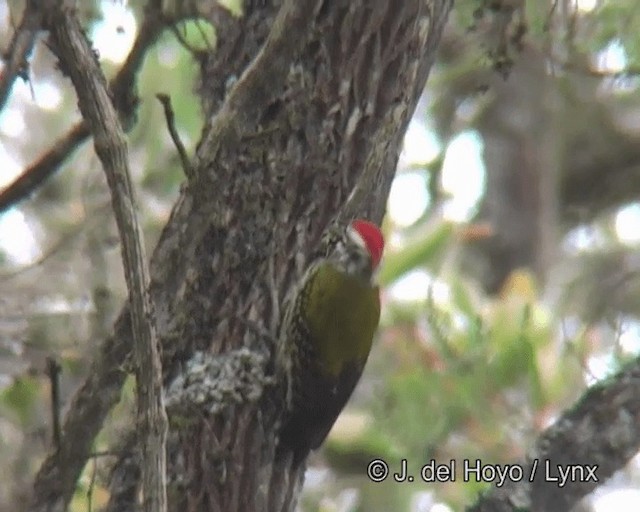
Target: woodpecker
x,y
327,332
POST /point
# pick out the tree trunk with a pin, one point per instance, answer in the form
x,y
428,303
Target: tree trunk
x,y
304,110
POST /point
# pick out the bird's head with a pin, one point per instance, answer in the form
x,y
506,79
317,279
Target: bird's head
x,y
360,251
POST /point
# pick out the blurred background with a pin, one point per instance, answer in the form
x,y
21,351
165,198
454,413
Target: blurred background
x,y
511,281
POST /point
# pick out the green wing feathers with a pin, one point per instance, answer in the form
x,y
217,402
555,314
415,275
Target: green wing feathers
x,y
338,315
342,315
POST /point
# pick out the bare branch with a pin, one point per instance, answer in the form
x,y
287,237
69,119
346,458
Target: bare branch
x,y
22,42
92,483
78,60
599,432
175,137
124,98
53,372
123,85
49,162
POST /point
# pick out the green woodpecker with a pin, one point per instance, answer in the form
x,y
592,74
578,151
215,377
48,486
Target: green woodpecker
x,y
326,334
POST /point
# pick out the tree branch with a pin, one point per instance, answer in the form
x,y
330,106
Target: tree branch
x,y
34,176
600,432
53,372
170,117
56,480
124,98
78,60
20,47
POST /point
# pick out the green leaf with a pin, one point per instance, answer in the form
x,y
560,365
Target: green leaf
x,y
419,251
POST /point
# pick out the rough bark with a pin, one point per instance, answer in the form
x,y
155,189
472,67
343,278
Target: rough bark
x,y
319,112
76,57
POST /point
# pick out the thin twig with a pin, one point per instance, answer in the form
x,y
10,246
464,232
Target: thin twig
x,y
53,372
21,45
33,176
77,58
92,484
175,137
183,42
105,453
